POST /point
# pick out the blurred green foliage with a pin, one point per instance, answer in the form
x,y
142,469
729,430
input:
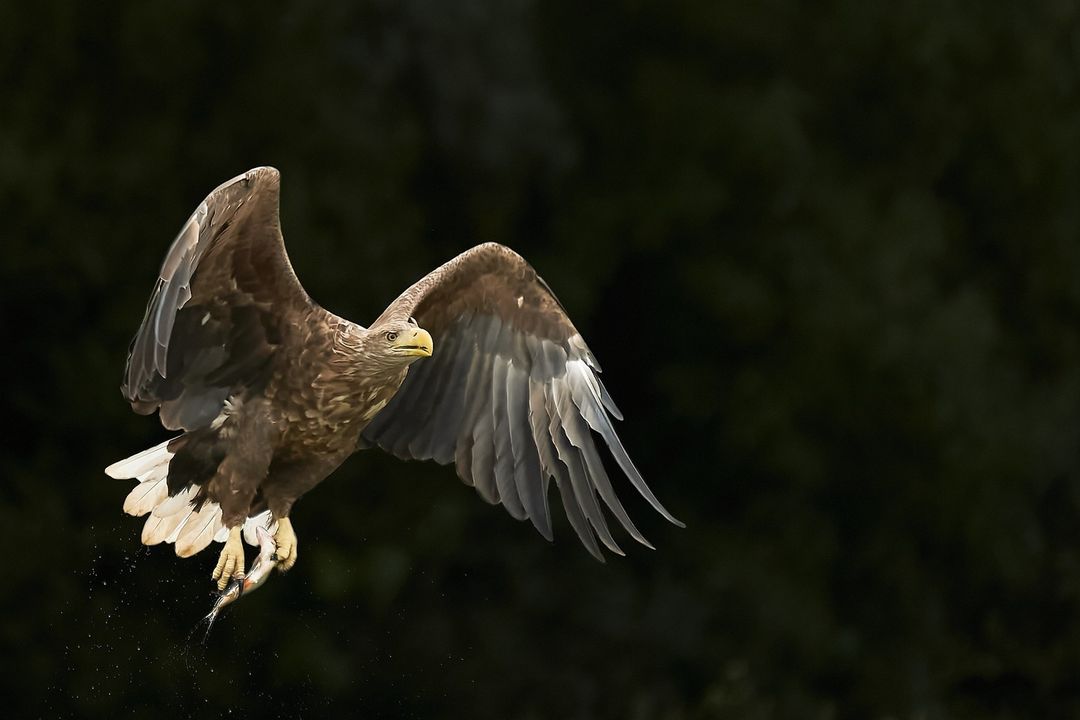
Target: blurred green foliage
x,y
827,254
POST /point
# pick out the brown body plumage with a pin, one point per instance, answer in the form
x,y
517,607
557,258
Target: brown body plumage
x,y
274,392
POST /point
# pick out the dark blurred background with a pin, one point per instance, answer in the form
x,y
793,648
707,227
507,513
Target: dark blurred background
x,y
827,254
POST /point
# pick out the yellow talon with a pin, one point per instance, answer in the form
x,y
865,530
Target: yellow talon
x,y
285,539
231,561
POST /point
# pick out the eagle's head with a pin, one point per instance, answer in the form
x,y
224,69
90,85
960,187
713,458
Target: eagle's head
x,y
402,340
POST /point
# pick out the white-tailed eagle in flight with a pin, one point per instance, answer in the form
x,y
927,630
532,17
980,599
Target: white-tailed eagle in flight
x,y
477,365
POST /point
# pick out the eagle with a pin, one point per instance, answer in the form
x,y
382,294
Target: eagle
x,y
476,364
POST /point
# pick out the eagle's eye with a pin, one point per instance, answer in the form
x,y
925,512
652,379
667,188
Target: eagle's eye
x,y
391,336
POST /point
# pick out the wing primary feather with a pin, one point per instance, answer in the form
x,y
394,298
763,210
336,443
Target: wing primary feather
x,y
528,476
618,451
608,401
483,460
577,520
583,490
578,434
538,422
583,395
463,448
463,460
538,425
579,478
483,443
557,470
479,376
477,424
504,454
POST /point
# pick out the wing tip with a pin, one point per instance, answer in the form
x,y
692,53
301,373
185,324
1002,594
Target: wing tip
x,y
544,530
664,513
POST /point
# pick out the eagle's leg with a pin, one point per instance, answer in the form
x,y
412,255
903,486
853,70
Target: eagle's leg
x,y
247,436
285,539
231,560
287,482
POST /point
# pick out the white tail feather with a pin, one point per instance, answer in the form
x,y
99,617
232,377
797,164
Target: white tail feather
x,y
150,534
263,519
140,463
145,496
178,522
199,530
173,519
178,503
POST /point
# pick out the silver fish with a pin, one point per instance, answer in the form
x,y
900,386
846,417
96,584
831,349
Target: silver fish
x,y
242,584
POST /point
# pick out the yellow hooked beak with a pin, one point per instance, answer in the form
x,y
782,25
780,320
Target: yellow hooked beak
x,y
416,343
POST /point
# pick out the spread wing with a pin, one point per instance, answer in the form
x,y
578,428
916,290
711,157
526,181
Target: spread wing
x,y
512,396
225,303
